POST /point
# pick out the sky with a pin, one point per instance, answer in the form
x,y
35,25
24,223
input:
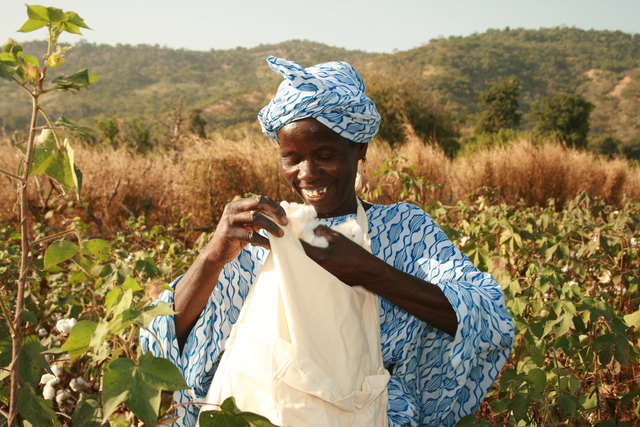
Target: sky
x,y
369,25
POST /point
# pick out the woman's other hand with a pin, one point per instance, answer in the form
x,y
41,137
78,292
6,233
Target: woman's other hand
x,y
239,225
342,257
353,265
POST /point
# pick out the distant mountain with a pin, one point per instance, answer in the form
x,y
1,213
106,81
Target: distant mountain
x,y
230,86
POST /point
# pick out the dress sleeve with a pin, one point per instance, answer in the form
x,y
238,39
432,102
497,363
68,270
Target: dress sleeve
x,y
451,375
204,345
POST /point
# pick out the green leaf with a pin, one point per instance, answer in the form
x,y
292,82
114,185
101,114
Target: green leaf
x,y
229,405
32,60
568,403
88,413
162,308
217,419
537,378
33,408
30,317
81,131
519,407
97,249
38,12
139,386
255,420
7,69
58,252
80,338
32,25
44,154
71,28
98,336
113,297
32,362
79,80
71,177
131,283
633,319
563,326
76,20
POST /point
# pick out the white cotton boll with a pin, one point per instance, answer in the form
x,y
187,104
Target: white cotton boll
x,y
61,396
351,229
48,392
303,220
65,325
46,378
56,370
42,332
75,384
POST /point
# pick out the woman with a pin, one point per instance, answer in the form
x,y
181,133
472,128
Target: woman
x,y
445,331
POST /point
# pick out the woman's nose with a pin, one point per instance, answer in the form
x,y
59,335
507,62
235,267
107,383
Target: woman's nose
x,y
308,170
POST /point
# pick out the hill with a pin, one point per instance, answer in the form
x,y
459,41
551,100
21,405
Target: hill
x,y
230,86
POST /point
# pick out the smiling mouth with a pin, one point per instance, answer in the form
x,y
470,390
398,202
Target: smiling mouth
x,y
314,194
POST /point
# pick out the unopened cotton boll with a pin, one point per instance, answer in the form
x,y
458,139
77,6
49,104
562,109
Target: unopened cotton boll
x,y
65,325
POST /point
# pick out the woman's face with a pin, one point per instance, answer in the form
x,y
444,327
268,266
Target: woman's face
x,y
320,165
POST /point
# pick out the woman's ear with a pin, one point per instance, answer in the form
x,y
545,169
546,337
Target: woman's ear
x,y
362,151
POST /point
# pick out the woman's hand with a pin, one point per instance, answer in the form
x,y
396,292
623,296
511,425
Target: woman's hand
x,y
238,226
342,257
353,265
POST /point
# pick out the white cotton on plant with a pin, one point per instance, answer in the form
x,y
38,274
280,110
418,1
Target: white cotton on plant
x,y
48,392
56,370
304,219
46,378
65,325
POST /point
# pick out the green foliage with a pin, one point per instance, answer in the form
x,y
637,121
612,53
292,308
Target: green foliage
x,y
605,144
564,116
139,385
499,107
570,284
230,415
406,103
631,148
197,124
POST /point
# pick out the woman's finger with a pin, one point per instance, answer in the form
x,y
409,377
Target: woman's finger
x,y
262,204
255,220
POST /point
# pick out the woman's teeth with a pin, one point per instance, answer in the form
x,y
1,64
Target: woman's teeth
x,y
314,193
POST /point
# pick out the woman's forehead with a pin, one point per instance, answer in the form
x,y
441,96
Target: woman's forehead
x,y
307,129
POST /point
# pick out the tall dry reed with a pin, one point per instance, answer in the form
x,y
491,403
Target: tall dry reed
x,y
205,174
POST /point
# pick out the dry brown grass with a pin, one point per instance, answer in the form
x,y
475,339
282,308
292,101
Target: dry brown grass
x,y
537,173
201,178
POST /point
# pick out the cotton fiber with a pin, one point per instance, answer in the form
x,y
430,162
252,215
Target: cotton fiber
x,y
304,219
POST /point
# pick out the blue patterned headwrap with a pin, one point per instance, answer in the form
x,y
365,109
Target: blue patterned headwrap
x,y
332,93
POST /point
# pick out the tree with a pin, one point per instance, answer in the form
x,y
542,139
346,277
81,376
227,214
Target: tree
x,y
564,116
403,102
197,123
499,107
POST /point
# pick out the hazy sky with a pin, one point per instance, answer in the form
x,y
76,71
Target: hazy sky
x,y
371,25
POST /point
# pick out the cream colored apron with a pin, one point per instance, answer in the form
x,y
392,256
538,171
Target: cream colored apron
x,y
305,350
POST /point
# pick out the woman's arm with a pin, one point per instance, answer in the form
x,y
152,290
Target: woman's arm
x,y
238,226
355,266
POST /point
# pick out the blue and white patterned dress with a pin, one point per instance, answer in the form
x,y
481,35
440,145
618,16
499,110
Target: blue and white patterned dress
x,y
436,378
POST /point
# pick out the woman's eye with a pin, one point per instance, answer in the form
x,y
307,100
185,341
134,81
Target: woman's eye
x,y
288,161
325,156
